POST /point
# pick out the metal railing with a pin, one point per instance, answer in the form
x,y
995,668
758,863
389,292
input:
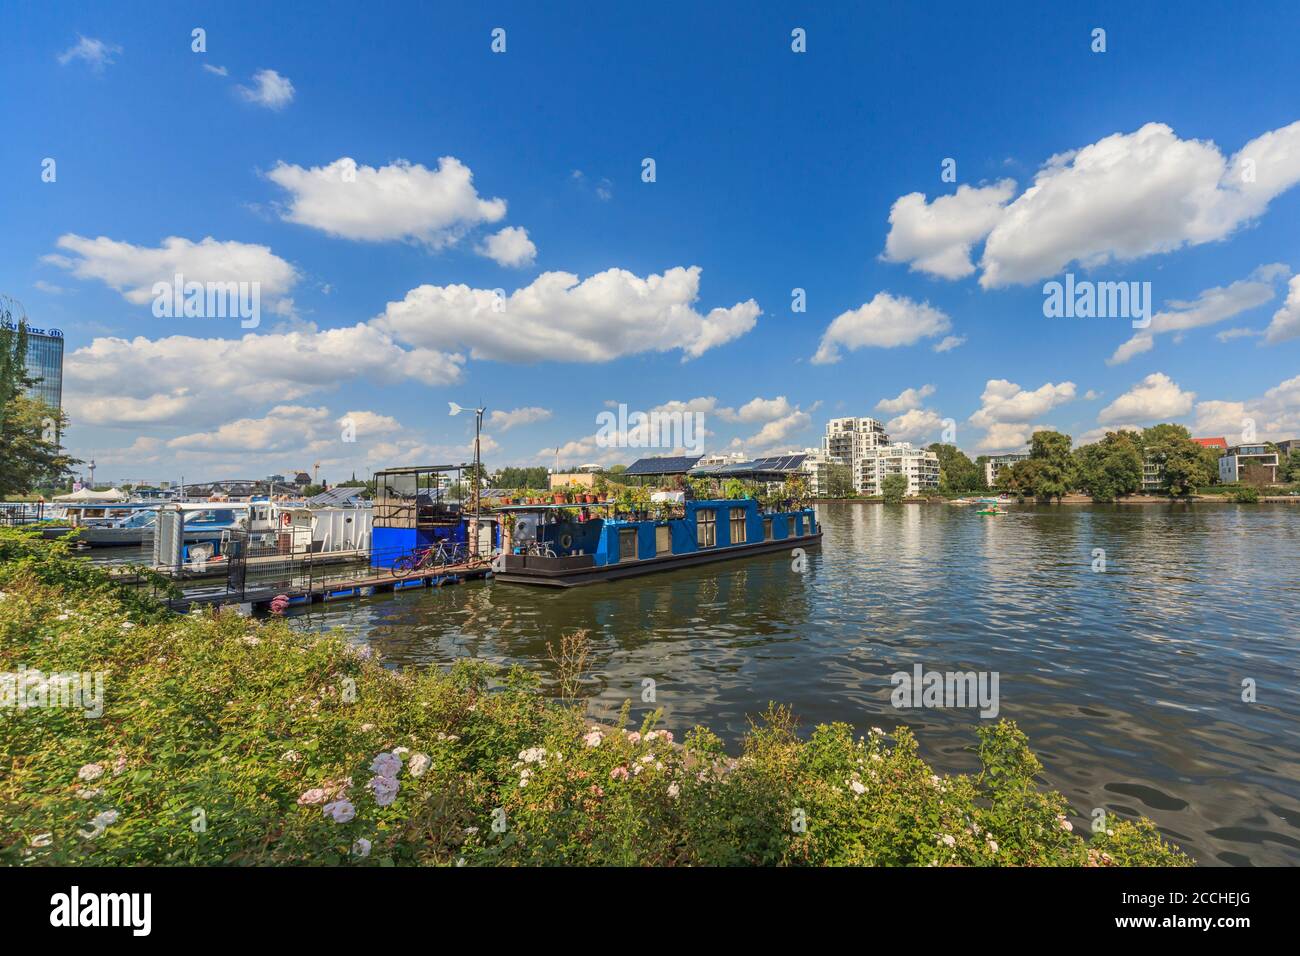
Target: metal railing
x,y
17,513
253,568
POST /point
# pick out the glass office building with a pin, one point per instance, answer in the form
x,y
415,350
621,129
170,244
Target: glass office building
x,y
45,362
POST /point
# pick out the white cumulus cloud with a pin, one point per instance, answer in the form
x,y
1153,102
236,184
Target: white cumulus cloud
x,y
937,237
510,247
269,89
132,270
561,318
907,399
401,201
885,322
1156,398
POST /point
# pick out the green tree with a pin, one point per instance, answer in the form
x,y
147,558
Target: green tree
x,y
1183,465
1289,467
1052,473
29,429
956,471
1111,467
894,488
522,478
839,481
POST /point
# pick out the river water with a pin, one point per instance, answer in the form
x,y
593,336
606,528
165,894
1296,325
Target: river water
x,y
1129,681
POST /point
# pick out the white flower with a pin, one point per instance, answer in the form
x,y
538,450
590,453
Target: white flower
x,y
993,846
386,765
401,751
877,731
361,847
385,789
340,811
1065,824
674,790
532,755
366,728
948,840
90,794
418,764
524,775
858,787
291,756
648,758
593,739
91,771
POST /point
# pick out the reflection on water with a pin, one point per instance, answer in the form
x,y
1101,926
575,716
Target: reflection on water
x,y
1128,682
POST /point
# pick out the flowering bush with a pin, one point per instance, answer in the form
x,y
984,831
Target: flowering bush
x,y
226,740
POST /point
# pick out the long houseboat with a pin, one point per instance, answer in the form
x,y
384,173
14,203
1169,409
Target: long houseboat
x,y
552,546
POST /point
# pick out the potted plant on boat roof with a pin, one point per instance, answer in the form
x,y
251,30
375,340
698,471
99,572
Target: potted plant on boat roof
x,y
601,487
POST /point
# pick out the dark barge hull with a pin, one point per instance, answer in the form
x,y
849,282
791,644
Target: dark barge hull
x,y
579,570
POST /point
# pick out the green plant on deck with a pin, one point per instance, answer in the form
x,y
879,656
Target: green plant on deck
x,y
701,489
734,488
795,490
1245,495
230,741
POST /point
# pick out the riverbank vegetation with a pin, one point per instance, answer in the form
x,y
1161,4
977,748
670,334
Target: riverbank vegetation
x,y
226,740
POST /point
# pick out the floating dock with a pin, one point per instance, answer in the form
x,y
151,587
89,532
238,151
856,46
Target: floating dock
x,y
365,584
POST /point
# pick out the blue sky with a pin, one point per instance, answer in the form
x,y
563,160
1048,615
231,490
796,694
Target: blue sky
x,y
774,170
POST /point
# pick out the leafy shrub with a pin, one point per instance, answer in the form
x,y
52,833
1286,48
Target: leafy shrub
x,y
226,740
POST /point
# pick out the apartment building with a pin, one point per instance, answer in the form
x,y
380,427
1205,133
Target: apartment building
x,y
996,463
848,439
1239,458
921,468
817,465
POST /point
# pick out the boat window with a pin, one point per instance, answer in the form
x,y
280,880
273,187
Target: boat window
x,y
663,539
627,544
706,527
737,525
767,529
794,524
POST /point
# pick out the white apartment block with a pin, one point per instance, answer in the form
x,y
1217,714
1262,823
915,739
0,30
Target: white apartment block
x,y
817,466
996,463
848,439
1238,457
921,468
861,443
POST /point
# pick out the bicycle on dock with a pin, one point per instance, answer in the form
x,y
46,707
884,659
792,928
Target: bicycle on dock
x,y
430,559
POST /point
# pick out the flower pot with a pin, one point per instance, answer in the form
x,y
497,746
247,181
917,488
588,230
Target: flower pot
x,y
557,499
588,499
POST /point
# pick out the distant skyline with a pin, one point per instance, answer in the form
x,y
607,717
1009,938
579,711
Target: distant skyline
x,y
433,211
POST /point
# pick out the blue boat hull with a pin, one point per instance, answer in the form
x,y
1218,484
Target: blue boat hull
x,y
568,572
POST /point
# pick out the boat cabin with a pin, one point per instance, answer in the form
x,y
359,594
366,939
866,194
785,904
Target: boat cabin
x,y
415,508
